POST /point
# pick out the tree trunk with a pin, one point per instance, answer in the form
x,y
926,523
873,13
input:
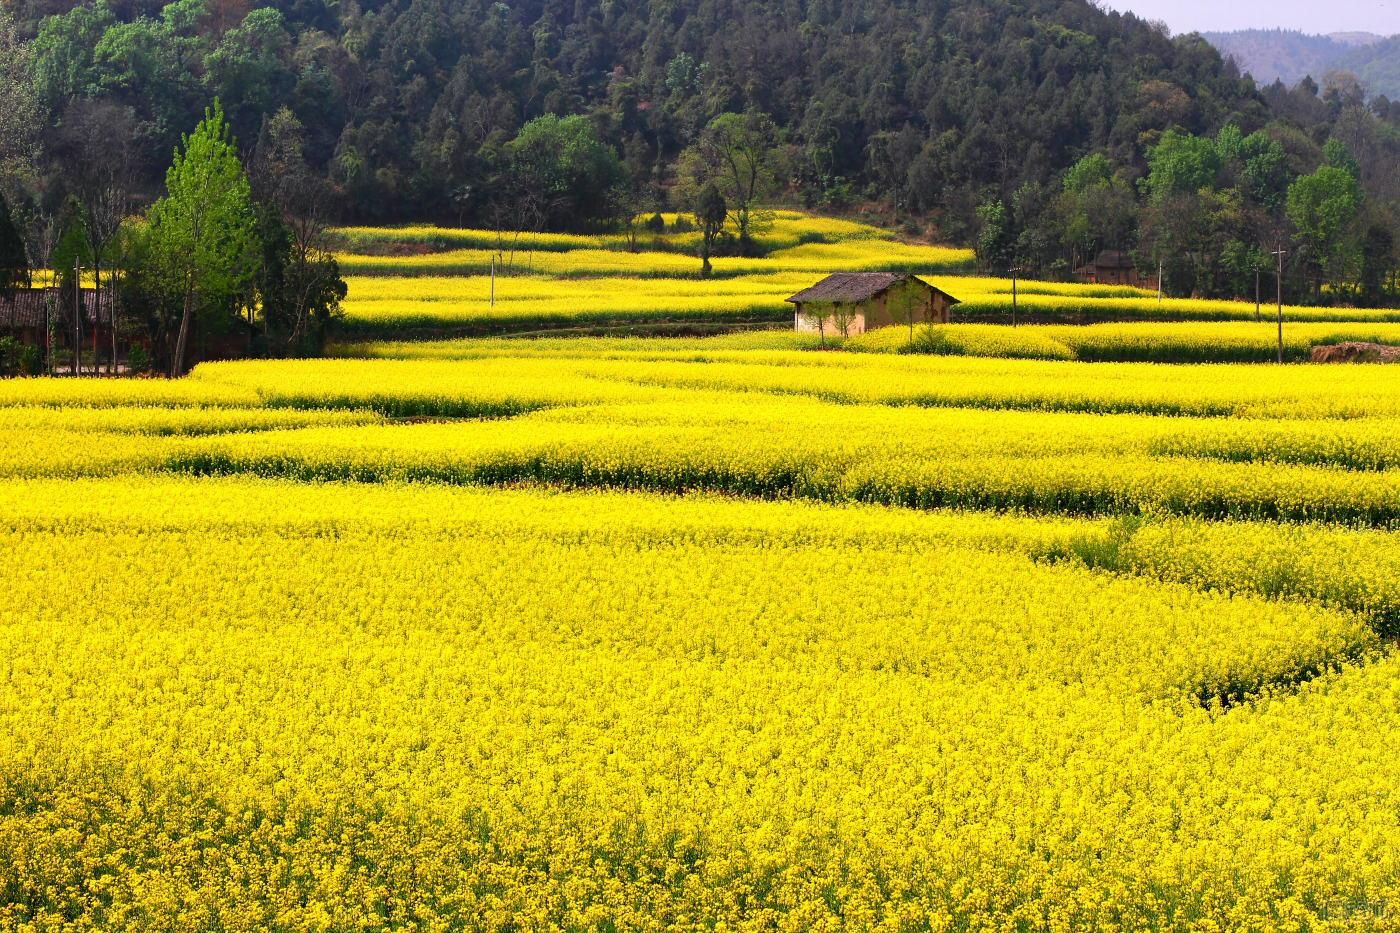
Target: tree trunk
x,y
96,315
177,362
77,319
112,309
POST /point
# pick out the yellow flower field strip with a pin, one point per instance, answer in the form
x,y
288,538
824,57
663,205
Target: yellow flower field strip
x,y
1151,342
1211,342
915,458
55,452
181,421
1148,342
536,287
912,457
610,371
1054,308
1355,569
109,393
75,442
991,340
163,501
1365,444
472,348
765,735
422,388
1283,392
971,286
790,228
1350,568
368,316
468,289
813,258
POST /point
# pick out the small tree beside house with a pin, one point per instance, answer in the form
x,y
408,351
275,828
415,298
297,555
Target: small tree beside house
x,y
906,307
843,318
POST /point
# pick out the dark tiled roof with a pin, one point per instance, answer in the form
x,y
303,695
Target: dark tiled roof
x,y
849,286
844,287
1114,259
29,307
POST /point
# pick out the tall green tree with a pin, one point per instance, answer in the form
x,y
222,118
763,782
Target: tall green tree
x,y
298,290
70,257
298,283
14,261
710,215
1096,208
737,153
1378,262
578,180
99,170
250,68
19,105
64,53
202,238
1181,164
996,237
1322,207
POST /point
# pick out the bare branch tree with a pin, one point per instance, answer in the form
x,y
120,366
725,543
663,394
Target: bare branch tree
x,y
93,145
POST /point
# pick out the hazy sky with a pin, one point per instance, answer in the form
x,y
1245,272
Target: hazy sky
x,y
1382,16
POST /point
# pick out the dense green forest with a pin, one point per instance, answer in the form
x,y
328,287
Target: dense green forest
x,y
1028,126
409,104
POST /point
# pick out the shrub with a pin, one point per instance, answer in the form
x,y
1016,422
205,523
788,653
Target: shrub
x,y
138,360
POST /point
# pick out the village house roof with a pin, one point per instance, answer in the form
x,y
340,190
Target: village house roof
x,y
847,287
1112,259
29,308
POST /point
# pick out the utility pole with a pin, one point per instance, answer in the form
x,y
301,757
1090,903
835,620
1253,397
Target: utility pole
x,y
1280,253
1015,296
77,318
1161,267
493,280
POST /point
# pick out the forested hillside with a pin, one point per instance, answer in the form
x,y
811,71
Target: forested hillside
x,y
1043,131
408,104
1378,66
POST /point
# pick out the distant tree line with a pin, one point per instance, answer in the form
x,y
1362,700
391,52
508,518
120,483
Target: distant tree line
x,y
1040,129
1320,181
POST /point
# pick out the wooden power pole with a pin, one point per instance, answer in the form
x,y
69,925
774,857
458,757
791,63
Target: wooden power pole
x,y
1280,253
77,318
1015,296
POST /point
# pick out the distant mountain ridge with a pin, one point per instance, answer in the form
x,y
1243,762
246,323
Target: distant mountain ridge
x,y
1289,56
1356,38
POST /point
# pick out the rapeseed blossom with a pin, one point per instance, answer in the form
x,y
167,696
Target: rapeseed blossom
x,y
505,638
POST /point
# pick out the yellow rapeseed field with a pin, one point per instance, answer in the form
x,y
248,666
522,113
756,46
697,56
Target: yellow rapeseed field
x,y
332,707
432,280
704,633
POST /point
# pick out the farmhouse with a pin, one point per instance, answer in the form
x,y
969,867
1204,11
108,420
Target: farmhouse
x,y
1114,267
849,303
43,317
